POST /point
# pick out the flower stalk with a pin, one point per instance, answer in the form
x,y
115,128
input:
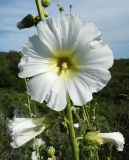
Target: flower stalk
x,y
72,131
40,10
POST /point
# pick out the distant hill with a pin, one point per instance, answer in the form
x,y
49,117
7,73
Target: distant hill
x,y
9,71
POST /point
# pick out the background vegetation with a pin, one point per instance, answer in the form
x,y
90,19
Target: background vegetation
x,y
111,104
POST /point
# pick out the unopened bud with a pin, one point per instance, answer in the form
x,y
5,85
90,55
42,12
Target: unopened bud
x,y
46,3
46,14
27,22
51,151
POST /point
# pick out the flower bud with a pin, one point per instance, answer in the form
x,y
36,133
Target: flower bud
x,y
46,3
27,22
51,151
46,14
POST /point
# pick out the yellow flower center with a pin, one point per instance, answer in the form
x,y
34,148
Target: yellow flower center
x,y
64,66
65,61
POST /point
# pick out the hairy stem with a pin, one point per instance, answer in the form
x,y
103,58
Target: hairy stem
x,y
72,132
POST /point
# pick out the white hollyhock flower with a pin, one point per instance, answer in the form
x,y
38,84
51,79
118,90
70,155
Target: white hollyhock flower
x,y
115,138
23,130
67,57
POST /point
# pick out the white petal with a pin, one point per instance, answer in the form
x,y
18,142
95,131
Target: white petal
x,y
39,86
60,33
79,92
56,99
24,129
30,66
95,77
115,138
100,56
88,33
20,140
49,87
65,29
18,125
91,49
46,35
34,47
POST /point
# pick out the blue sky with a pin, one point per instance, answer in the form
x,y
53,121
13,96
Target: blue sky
x,y
111,17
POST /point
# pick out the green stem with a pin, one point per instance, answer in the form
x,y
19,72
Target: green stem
x,y
97,156
79,138
30,112
40,9
37,149
72,132
87,112
85,115
110,152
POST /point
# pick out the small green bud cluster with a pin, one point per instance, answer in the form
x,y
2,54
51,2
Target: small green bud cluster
x,y
46,3
30,20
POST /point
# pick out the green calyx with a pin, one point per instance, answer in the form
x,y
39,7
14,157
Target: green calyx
x,y
94,137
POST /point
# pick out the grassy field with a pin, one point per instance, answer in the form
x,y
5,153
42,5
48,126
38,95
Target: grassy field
x,y
111,104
